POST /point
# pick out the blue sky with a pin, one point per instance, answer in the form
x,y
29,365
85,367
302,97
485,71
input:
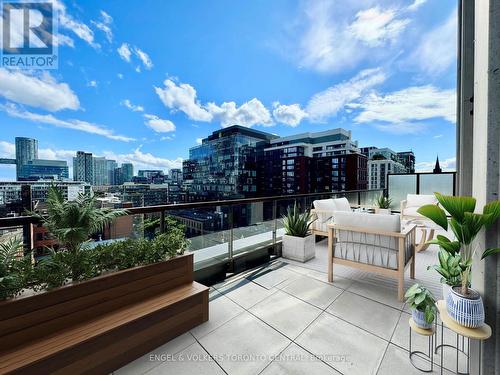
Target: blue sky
x,y
143,81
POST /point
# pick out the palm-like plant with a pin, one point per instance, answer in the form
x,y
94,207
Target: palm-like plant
x,y
10,280
297,224
465,225
73,222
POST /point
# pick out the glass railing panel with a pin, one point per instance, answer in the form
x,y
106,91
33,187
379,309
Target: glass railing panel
x,y
441,183
253,226
369,197
207,230
399,186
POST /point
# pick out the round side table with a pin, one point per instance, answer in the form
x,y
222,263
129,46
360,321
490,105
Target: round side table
x,y
481,333
430,355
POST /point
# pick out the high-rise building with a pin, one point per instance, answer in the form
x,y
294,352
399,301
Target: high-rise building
x,y
313,162
225,164
175,175
127,172
83,167
111,165
26,150
378,169
151,176
407,158
40,169
101,176
118,176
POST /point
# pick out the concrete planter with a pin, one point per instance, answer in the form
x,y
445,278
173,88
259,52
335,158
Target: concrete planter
x,y
384,211
298,248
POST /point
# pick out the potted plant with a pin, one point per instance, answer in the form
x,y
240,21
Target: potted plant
x,y
422,304
464,305
383,205
449,269
298,242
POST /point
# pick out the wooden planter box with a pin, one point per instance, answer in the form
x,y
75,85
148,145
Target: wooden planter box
x,y
98,325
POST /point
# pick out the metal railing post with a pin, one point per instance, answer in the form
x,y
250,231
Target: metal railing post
x,y
275,224
162,221
231,233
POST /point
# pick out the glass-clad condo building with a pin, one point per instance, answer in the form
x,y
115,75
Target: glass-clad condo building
x,y
225,165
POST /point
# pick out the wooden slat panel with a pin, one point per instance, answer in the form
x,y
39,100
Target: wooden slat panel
x,y
101,301
21,306
139,315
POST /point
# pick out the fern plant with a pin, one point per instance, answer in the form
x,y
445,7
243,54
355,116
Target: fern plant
x,y
297,224
13,270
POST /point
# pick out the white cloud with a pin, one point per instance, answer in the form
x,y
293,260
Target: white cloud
x,y
410,104
92,83
290,115
182,97
328,102
40,92
132,107
120,76
80,29
87,127
438,136
104,24
449,164
159,125
199,141
416,4
248,114
375,26
144,57
334,36
437,49
7,150
124,52
144,160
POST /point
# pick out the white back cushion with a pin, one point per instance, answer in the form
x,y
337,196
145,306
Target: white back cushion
x,y
342,204
388,223
419,200
324,205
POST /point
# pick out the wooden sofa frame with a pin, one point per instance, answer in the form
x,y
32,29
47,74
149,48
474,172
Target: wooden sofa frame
x,y
405,238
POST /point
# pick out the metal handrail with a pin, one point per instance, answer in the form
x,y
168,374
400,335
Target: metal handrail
x,y
24,220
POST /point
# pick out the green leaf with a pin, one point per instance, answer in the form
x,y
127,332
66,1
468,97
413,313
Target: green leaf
x,y
456,206
489,252
493,210
434,213
429,314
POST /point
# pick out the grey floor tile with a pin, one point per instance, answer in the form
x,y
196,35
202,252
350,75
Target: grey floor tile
x,y
272,277
313,291
388,296
344,346
338,281
246,293
296,361
244,345
221,309
192,360
156,356
372,316
287,314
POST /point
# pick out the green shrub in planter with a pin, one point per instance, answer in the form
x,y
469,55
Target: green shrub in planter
x,y
15,273
297,224
422,304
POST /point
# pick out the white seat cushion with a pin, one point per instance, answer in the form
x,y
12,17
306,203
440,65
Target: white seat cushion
x,y
412,211
342,204
388,223
324,205
419,200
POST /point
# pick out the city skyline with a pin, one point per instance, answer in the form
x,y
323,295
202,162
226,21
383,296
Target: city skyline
x,y
119,94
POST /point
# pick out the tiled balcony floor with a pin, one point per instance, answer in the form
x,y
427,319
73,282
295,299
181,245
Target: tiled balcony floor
x,y
285,318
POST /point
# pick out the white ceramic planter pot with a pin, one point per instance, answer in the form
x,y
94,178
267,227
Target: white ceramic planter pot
x,y
384,211
466,311
298,248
